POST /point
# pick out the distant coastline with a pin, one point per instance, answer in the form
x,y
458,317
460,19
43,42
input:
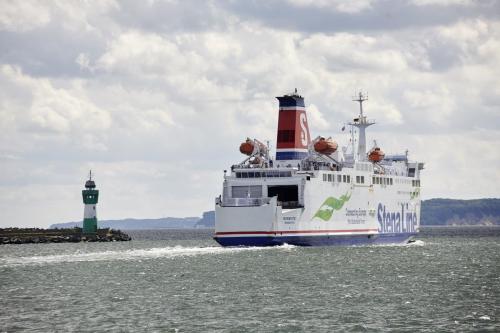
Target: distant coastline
x,y
435,212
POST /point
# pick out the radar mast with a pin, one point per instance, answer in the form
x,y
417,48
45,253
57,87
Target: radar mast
x,y
361,123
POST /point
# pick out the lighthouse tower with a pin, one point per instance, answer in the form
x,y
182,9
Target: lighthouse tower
x,y
90,196
293,130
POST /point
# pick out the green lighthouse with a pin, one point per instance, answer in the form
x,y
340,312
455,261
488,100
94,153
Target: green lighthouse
x,y
90,196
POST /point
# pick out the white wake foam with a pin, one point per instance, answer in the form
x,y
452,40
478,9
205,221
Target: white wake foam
x,y
417,242
159,252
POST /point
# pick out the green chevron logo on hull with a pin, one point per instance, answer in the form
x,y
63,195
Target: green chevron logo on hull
x,y
331,205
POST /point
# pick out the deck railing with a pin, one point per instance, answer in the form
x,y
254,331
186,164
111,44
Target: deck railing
x,y
242,202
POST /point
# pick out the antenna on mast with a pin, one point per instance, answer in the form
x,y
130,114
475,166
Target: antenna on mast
x,y
360,98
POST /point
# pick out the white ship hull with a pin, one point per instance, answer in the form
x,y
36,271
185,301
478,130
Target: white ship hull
x,y
333,213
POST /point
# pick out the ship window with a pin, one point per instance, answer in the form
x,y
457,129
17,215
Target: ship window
x,y
272,174
238,175
254,191
339,178
357,179
329,178
257,174
251,175
344,178
391,182
244,175
324,177
362,179
411,172
348,178
286,135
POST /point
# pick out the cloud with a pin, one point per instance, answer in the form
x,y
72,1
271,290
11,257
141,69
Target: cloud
x,y
20,16
35,109
338,5
443,2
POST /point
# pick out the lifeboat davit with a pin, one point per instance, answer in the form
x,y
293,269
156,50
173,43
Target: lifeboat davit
x,y
247,147
376,155
326,146
256,160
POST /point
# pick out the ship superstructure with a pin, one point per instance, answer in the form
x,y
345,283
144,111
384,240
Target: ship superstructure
x,y
313,193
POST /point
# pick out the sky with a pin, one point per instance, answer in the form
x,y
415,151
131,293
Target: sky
x,y
156,96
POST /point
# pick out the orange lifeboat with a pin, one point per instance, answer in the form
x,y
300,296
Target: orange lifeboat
x,y
376,155
247,147
325,146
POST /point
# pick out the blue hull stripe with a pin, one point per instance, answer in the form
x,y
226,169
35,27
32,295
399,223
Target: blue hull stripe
x,y
337,240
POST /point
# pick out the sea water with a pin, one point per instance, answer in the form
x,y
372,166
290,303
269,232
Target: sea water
x,y
182,281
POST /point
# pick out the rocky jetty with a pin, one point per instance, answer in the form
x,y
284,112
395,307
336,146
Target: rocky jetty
x,y
74,235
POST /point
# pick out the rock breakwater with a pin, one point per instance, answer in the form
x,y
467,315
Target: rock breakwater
x,y
74,235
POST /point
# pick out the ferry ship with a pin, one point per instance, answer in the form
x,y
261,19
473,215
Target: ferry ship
x,y
315,194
